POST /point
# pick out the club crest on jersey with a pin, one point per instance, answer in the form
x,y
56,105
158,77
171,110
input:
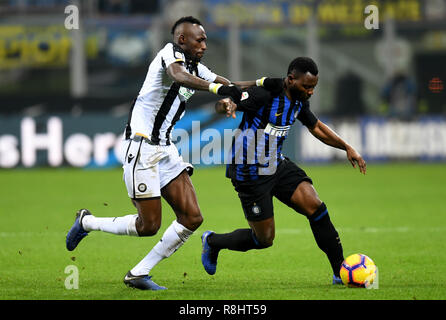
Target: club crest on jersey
x,y
178,55
245,95
256,209
277,131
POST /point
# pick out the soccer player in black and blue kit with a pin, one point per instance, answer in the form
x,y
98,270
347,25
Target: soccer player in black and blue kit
x,y
259,171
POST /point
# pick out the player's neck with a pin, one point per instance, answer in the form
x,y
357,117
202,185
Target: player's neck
x,y
288,94
189,58
286,90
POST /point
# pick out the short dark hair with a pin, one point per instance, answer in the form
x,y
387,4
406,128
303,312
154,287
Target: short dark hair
x,y
303,65
189,19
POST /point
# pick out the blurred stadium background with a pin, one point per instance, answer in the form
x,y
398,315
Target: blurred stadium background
x,y
65,94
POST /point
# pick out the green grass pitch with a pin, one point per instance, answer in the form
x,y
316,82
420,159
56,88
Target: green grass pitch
x,y
395,214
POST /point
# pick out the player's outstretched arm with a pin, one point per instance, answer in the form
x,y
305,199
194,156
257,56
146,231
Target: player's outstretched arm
x,y
180,75
244,84
241,84
325,134
223,80
270,84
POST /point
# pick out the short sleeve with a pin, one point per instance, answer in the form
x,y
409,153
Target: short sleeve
x,y
253,99
205,73
170,54
307,117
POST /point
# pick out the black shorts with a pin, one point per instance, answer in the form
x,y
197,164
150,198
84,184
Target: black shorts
x,y
256,196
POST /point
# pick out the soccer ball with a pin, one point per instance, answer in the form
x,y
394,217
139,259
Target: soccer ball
x,y
358,271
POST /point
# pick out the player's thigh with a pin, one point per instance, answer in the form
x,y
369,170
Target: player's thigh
x,y
305,199
177,188
180,194
149,215
295,188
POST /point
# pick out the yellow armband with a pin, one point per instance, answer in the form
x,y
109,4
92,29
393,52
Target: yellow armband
x,y
259,82
213,87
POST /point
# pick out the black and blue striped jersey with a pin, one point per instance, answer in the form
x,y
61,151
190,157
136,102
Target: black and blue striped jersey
x,y
267,118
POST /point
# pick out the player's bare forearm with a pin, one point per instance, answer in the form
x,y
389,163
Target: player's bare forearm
x,y
325,134
184,78
269,83
241,84
180,75
222,80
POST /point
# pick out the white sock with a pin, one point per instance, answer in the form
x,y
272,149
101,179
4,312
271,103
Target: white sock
x,y
125,225
173,238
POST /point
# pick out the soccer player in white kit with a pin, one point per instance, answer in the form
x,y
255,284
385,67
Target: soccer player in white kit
x,y
151,162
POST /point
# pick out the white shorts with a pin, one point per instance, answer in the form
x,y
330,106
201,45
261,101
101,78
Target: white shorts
x,y
148,168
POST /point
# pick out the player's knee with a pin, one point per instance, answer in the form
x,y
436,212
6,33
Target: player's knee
x,y
265,241
148,231
192,220
314,206
148,228
318,213
196,222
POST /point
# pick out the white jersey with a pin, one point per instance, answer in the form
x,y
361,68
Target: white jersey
x,y
161,101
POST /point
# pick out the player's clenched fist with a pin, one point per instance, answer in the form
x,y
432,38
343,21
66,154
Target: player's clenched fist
x,y
226,106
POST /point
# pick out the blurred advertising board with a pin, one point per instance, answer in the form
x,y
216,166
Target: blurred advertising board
x,y
48,46
94,140
381,139
60,140
335,12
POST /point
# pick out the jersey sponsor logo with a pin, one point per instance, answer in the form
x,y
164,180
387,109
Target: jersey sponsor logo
x,y
277,131
278,114
185,93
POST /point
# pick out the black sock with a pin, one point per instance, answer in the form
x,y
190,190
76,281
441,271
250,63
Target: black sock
x,y
237,240
327,238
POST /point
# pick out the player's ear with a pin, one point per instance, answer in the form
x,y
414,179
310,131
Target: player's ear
x,y
181,39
